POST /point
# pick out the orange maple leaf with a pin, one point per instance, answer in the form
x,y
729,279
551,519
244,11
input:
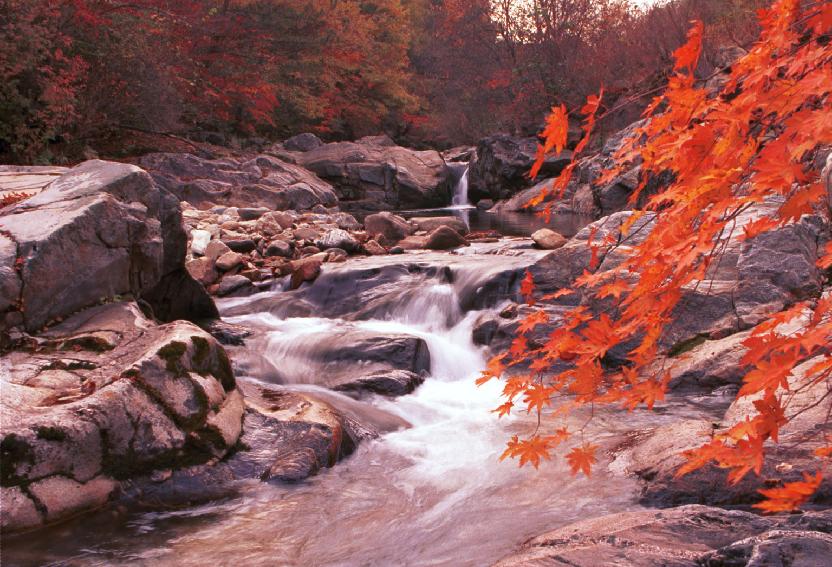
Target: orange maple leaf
x,y
791,495
527,288
530,450
532,320
582,458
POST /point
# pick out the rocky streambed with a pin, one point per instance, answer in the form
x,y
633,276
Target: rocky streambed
x,y
329,415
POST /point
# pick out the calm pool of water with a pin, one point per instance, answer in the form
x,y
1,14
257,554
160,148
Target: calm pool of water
x,y
507,223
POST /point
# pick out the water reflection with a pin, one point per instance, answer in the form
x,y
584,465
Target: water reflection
x,y
505,222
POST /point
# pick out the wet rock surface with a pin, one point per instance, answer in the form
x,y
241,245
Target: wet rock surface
x,y
384,382
753,279
502,164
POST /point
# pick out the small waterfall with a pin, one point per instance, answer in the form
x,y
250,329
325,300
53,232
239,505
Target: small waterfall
x,y
460,198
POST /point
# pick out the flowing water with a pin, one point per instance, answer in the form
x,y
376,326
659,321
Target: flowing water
x,y
508,223
460,198
433,493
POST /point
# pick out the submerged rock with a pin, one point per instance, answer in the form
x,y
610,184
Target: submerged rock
x,y
307,434
385,383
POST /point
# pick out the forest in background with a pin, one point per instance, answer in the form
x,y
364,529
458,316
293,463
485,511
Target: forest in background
x,y
80,77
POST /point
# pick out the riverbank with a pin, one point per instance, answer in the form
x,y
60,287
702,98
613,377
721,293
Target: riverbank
x,y
242,381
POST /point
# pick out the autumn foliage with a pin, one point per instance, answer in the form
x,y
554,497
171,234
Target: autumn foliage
x,y
76,73
749,146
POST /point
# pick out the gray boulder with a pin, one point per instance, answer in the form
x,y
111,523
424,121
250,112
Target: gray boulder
x,y
502,166
235,285
99,230
337,238
280,248
302,142
389,228
373,174
264,181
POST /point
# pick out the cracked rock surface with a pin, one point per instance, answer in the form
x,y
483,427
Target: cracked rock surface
x,y
97,231
684,536
105,396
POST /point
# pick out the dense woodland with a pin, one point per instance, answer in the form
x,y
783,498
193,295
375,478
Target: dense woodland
x,y
83,76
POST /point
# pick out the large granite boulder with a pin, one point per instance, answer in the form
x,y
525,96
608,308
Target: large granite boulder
x,y
304,142
687,536
105,396
97,231
374,174
585,193
264,181
502,165
753,279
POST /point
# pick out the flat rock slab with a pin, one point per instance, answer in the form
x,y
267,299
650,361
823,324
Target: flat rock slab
x,y
685,536
373,174
28,180
262,182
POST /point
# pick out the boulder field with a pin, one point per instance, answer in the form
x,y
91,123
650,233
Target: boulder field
x,y
119,380
110,371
